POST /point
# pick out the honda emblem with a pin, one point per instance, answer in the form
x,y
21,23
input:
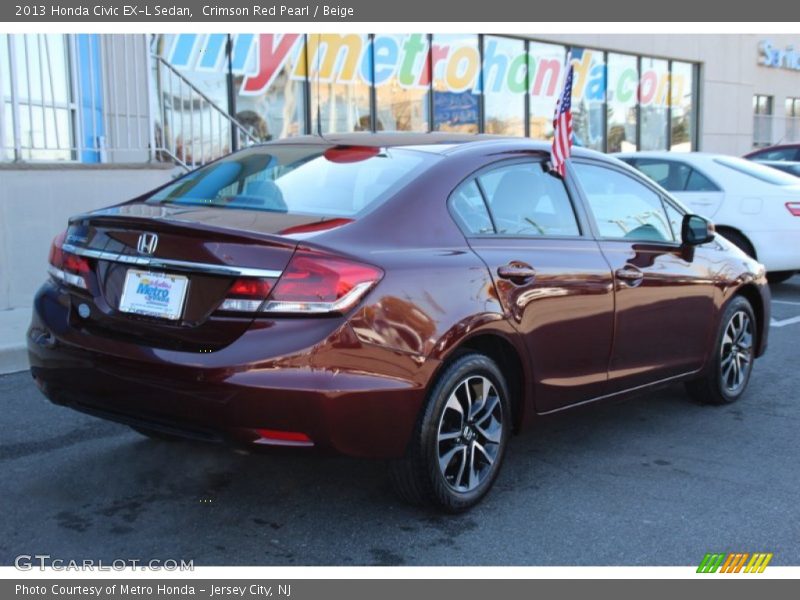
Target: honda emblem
x,y
147,243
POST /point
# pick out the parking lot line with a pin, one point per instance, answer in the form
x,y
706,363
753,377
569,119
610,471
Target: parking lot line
x,y
784,322
786,302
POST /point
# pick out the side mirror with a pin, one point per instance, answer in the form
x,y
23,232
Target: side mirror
x,y
696,230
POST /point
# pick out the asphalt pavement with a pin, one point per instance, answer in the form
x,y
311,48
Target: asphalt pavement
x,y
655,480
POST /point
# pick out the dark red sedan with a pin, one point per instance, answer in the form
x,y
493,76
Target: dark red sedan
x,y
417,298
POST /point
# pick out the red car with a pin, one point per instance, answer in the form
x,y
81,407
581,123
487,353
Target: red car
x,y
779,152
417,298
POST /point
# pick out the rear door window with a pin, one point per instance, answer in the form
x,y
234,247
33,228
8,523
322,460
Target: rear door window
x,y
525,200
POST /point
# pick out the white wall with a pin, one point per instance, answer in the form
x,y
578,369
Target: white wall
x,y
35,204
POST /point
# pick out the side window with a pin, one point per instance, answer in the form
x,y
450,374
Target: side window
x,y
622,207
469,209
526,201
700,183
672,176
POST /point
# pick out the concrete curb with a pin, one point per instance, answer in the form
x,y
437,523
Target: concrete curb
x,y
13,358
13,353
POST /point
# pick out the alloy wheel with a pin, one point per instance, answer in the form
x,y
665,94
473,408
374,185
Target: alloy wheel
x,y
470,432
736,353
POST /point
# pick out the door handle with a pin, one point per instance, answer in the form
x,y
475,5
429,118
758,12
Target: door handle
x,y
518,273
630,275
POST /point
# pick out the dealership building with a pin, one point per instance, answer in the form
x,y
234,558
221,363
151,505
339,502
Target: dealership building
x,y
88,120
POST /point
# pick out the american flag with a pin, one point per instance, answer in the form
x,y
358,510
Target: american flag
x,y
562,126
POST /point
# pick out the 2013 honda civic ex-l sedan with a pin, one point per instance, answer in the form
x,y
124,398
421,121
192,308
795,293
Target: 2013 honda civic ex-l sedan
x,y
410,297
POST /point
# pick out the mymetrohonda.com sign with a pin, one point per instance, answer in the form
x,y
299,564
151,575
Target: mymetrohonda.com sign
x,y
401,60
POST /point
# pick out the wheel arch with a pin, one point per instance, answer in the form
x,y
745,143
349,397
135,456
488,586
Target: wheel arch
x,y
502,351
722,229
750,292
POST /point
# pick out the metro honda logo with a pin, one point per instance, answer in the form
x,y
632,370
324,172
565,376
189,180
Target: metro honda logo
x,y
407,61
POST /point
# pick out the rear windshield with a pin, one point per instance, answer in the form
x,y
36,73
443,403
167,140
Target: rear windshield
x,y
757,171
299,179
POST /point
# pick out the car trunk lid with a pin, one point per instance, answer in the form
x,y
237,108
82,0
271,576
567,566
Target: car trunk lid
x,y
210,248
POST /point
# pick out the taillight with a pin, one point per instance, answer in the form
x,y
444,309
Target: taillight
x,y
246,295
794,208
317,283
67,267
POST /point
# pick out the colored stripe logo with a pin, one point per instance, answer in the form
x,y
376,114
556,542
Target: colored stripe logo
x,y
735,562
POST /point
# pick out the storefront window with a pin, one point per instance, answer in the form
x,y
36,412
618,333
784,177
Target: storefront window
x,y
201,60
588,98
620,102
504,83
402,82
456,82
682,105
654,101
268,79
340,67
546,66
623,78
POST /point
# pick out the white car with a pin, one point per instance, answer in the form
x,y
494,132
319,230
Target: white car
x,y
754,206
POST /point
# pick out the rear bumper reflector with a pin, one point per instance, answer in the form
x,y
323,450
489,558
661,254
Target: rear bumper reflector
x,y
273,437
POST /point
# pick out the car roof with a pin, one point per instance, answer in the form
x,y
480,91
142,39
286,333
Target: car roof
x,y
437,141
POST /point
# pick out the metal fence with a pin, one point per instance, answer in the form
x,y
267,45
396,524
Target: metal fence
x,y
94,98
190,128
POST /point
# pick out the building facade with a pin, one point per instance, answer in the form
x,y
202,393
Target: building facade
x,y
87,120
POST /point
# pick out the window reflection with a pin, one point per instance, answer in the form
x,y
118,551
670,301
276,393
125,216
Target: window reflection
x,y
340,68
546,65
456,82
588,98
504,78
623,77
402,76
654,100
682,103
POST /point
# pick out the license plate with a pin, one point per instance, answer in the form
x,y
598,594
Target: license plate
x,y
153,294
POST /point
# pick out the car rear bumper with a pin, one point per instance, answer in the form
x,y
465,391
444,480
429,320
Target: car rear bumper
x,y
323,390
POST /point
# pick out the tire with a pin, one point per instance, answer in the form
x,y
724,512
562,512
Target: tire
x,y
734,354
780,276
741,242
445,432
156,435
